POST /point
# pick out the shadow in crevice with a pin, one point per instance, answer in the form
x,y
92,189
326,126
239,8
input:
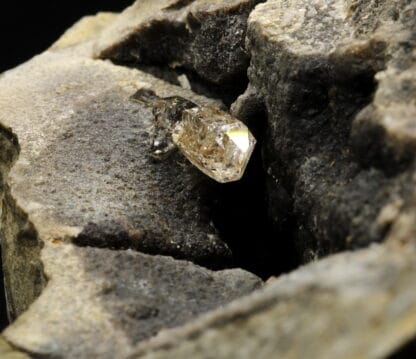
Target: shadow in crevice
x,y
242,217
228,91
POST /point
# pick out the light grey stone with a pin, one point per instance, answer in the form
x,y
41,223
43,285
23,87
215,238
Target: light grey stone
x,y
85,175
351,305
100,303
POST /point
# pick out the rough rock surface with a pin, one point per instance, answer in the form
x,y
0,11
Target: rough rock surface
x,y
99,303
204,36
7,352
84,173
338,81
352,305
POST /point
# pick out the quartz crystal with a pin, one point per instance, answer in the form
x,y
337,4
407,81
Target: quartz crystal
x,y
216,143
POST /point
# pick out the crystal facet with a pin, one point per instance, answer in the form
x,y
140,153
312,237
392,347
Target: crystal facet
x,y
216,143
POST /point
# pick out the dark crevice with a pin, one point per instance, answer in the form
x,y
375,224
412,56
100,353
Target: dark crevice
x,y
406,351
4,322
179,5
227,92
242,217
318,183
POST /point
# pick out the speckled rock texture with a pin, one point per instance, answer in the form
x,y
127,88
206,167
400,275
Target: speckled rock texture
x,y
7,352
338,82
100,303
204,36
351,305
84,173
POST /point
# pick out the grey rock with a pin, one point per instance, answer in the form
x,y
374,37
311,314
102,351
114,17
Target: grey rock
x,y
337,78
249,107
100,303
336,82
352,305
204,36
85,174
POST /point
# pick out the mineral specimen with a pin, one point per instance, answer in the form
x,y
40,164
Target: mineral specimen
x,y
216,143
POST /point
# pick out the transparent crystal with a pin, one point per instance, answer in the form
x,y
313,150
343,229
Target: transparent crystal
x,y
216,143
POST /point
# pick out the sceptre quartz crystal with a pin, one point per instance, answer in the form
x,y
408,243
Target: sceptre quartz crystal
x,y
215,142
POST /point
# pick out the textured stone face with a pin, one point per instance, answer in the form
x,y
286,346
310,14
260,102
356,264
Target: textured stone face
x,y
336,78
215,142
205,37
352,305
101,303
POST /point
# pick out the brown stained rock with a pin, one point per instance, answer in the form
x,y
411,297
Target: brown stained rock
x,y
85,174
7,352
352,305
338,81
204,36
100,303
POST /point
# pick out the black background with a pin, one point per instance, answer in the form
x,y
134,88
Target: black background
x,y
28,28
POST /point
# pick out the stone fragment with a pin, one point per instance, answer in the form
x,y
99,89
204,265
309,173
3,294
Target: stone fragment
x,y
206,37
337,79
100,303
84,174
352,305
215,142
